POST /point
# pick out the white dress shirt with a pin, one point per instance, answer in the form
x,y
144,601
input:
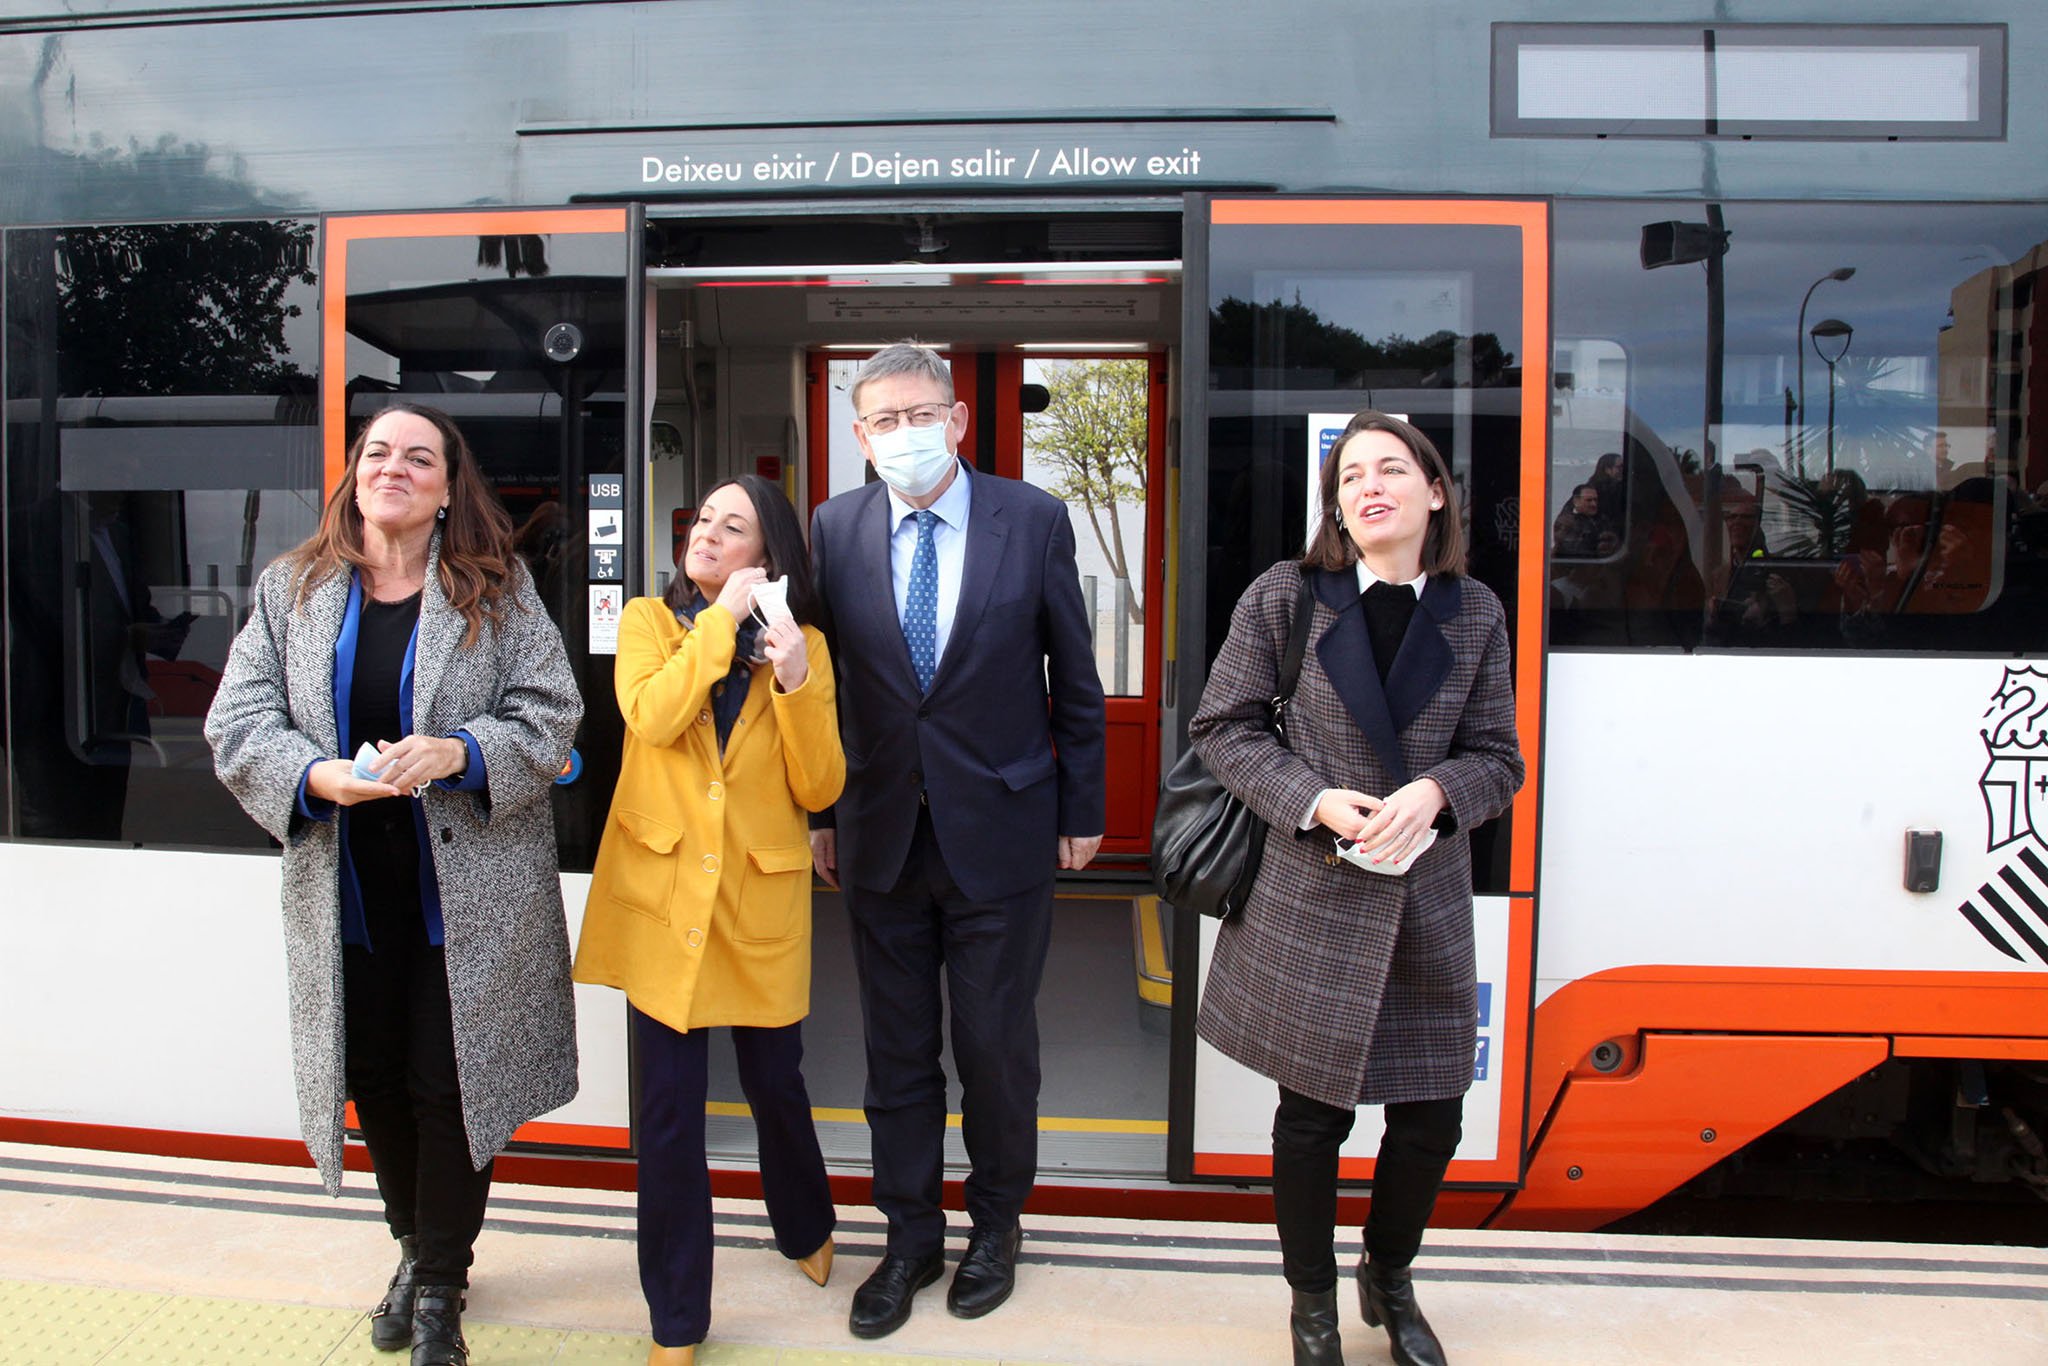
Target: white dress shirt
x,y
949,540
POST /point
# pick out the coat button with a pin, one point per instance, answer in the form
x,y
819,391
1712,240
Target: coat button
x,y
1332,860
447,835
924,711
917,776
711,863
694,938
716,791
703,718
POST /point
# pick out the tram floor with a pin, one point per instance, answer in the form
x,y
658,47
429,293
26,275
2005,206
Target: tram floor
x,y
127,1258
1102,1101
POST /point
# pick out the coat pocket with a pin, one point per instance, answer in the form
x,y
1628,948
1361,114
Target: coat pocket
x,y
642,866
1030,771
774,894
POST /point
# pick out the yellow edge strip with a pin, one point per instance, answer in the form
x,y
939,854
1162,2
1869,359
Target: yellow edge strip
x,y
733,1109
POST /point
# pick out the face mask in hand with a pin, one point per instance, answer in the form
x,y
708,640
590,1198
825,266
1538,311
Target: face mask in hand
x,y
912,460
771,601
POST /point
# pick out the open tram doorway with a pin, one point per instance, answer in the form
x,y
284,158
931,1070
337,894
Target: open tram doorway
x,y
1060,327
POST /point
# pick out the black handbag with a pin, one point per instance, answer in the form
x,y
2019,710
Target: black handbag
x,y
1206,844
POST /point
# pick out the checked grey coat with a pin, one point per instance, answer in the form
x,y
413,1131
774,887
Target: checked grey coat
x,y
493,851
1348,986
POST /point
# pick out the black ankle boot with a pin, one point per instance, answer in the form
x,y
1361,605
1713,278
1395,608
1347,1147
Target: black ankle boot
x,y
1387,1295
437,1327
1314,1325
391,1320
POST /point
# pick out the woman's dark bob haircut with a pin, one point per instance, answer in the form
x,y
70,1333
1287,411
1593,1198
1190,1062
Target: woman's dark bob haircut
x,y
782,538
1443,545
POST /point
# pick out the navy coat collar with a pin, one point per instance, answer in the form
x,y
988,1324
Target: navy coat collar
x,y
1419,668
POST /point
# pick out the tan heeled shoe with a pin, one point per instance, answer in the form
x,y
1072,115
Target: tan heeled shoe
x,y
818,1266
658,1355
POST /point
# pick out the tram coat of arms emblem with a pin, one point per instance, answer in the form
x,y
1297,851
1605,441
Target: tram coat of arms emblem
x,y
2015,781
2010,911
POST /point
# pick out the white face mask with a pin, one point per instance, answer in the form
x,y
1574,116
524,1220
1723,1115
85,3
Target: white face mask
x,y
912,460
771,601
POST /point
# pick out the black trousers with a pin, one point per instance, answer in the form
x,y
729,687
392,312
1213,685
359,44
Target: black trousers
x,y
675,1182
992,957
1416,1149
400,1072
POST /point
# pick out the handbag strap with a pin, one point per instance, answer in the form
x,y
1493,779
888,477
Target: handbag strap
x,y
1297,646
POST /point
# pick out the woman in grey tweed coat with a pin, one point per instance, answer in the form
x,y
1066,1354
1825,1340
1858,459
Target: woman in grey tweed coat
x,y
424,939
1346,985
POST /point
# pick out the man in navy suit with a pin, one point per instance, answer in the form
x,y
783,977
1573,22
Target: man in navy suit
x,y
972,719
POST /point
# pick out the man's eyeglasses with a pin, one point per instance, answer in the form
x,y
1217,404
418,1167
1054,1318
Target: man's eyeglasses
x,y
884,420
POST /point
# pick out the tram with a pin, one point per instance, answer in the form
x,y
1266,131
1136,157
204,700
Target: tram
x,y
1726,317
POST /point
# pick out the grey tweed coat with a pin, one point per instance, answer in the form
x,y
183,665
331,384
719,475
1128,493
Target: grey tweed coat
x,y
1344,985
493,851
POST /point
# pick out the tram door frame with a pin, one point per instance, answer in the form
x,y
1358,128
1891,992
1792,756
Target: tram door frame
x,y
1512,1008
600,1118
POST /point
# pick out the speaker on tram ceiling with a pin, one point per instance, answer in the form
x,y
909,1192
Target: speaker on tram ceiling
x,y
562,343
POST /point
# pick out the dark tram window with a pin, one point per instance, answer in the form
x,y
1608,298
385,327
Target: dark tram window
x,y
1876,475
521,341
1309,324
162,445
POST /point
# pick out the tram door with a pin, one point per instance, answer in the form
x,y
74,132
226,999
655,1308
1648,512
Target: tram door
x,y
1303,311
519,324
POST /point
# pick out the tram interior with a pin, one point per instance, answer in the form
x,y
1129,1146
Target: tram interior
x,y
758,329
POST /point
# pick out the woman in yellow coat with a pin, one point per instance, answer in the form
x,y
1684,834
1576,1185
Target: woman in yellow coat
x,y
700,907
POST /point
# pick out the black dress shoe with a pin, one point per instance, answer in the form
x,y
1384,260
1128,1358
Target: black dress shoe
x,y
987,1272
391,1320
437,1327
1387,1295
882,1304
1313,1325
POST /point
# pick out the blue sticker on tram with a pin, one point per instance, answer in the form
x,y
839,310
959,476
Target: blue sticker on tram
x,y
1479,1059
1485,1004
572,770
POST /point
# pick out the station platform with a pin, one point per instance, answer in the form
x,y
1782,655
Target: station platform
x,y
118,1257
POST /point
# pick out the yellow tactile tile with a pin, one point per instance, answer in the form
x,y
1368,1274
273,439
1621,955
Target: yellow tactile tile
x,y
602,1349
797,1357
57,1325
191,1331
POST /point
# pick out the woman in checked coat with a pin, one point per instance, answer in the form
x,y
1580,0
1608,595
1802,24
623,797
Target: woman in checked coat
x,y
1352,985
424,939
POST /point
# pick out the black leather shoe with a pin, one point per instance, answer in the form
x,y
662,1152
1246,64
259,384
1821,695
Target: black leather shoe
x,y
391,1320
882,1304
437,1327
1314,1326
987,1272
1387,1295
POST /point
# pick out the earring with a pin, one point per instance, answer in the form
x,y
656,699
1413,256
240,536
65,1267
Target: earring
x,y
440,514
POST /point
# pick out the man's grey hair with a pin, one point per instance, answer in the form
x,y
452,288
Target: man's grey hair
x,y
903,358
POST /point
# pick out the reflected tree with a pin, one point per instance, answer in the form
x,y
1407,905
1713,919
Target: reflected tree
x,y
1292,337
1093,432
180,308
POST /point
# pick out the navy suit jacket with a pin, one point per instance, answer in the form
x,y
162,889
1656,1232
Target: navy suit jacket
x,y
1008,744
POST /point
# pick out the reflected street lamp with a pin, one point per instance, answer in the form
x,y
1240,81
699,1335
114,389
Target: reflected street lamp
x,y
1830,330
1799,351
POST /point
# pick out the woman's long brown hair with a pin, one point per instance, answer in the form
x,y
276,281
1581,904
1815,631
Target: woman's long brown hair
x,y
477,564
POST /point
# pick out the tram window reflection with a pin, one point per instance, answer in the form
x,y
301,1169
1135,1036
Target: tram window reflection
x,y
162,446
1867,482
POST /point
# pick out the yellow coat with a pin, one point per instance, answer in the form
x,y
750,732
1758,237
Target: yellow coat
x,y
700,905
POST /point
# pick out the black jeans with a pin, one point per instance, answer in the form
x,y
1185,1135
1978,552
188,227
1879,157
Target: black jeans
x,y
400,1069
1421,1136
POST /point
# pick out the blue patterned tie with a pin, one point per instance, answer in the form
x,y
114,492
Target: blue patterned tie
x,y
921,608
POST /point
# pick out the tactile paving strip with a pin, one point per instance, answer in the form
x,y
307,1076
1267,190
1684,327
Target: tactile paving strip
x,y
58,1325
191,1331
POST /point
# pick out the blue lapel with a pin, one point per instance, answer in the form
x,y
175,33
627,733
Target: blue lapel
x,y
1418,670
